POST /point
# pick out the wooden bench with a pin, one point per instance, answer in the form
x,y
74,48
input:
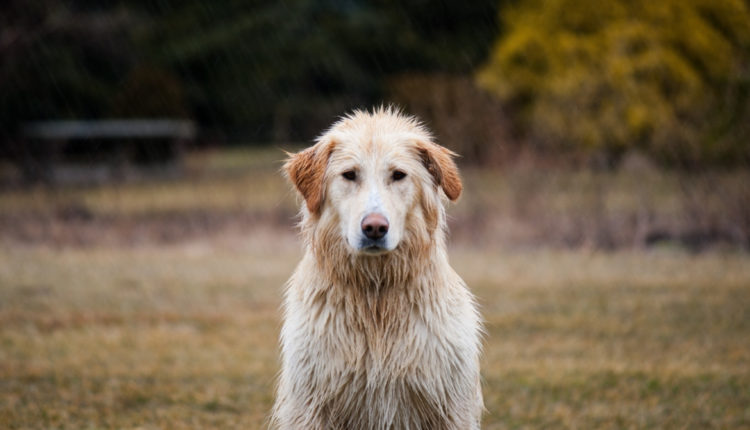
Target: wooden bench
x,y
117,143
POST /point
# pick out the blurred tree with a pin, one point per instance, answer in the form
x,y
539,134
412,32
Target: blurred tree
x,y
259,69
670,77
58,60
462,116
149,92
285,69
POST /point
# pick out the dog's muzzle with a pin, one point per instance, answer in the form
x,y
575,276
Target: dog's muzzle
x,y
374,229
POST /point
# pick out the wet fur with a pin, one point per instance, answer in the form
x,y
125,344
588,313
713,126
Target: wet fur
x,y
378,342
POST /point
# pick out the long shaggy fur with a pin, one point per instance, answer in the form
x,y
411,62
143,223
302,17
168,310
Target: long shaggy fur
x,y
378,342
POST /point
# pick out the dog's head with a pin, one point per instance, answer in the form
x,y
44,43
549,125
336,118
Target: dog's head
x,y
377,176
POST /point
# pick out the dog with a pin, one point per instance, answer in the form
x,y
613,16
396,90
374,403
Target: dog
x,y
379,332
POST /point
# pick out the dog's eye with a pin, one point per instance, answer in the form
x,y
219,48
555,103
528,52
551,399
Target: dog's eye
x,y
398,175
349,175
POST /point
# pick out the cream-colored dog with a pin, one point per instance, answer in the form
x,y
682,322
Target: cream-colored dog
x,y
379,332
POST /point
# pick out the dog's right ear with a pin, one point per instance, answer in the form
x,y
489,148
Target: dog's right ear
x,y
306,169
439,162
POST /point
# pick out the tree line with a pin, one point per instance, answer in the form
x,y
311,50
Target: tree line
x,y
260,70
670,78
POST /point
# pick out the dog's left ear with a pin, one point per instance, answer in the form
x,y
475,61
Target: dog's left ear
x,y
439,162
306,169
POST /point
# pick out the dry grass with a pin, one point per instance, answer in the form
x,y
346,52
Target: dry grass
x,y
185,337
182,334
633,340
161,338
227,180
529,206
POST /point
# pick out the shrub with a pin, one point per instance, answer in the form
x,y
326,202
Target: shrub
x,y
463,117
671,78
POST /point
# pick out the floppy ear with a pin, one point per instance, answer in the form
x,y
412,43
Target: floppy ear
x,y
439,162
306,169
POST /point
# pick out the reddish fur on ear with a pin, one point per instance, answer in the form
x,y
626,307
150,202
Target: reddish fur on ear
x,y
306,169
439,162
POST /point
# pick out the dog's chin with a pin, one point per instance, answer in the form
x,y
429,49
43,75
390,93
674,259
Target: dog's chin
x,y
372,251
372,248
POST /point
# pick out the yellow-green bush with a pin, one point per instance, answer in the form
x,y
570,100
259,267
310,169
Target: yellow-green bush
x,y
670,77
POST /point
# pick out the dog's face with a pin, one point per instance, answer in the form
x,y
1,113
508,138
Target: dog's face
x,y
378,175
371,185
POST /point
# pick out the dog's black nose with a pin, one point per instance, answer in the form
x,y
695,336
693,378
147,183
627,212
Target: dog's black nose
x,y
374,226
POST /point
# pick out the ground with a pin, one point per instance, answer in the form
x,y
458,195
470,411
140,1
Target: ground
x,y
99,329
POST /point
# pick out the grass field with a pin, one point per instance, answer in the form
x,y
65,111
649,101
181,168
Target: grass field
x,y
183,333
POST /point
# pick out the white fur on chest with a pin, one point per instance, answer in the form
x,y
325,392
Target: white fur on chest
x,y
404,370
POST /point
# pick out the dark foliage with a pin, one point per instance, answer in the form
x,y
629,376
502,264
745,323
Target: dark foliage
x,y
255,70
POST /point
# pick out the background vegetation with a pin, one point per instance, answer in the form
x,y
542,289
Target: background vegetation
x,y
669,79
251,71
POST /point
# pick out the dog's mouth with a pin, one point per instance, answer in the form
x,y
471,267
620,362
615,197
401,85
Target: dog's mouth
x,y
373,247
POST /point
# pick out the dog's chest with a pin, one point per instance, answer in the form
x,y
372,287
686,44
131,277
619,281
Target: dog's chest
x,y
393,372
383,351
377,333
380,361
